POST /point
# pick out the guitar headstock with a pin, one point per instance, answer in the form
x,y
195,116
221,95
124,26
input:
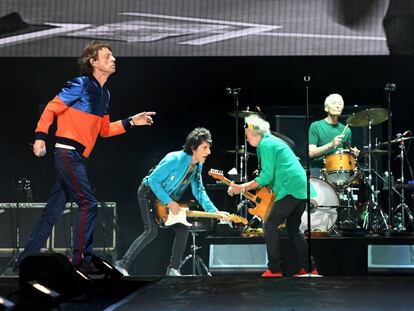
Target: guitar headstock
x,y
238,219
216,174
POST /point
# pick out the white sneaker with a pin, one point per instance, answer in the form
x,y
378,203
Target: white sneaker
x,y
173,272
123,271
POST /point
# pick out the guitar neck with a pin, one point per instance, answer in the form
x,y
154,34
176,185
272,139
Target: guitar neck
x,y
246,194
202,214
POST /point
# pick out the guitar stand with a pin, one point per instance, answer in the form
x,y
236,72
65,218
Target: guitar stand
x,y
197,261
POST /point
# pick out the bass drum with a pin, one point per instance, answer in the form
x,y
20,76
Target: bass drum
x,y
323,207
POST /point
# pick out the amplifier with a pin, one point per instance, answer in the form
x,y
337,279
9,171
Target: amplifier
x,y
104,234
27,215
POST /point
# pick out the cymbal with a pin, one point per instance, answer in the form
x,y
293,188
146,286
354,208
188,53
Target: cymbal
x,y
241,151
244,113
286,139
378,152
367,116
395,141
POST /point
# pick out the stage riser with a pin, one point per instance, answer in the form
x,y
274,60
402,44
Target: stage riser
x,y
333,256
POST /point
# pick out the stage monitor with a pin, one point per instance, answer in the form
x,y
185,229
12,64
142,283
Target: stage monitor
x,y
391,258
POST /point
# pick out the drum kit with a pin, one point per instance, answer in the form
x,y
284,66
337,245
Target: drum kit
x,y
347,198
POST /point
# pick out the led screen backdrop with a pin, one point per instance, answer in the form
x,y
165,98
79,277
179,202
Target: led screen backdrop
x,y
207,27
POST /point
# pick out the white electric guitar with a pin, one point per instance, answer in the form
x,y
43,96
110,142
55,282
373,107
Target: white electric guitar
x,y
163,216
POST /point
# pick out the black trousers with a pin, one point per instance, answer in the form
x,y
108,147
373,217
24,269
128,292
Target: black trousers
x,y
146,200
288,209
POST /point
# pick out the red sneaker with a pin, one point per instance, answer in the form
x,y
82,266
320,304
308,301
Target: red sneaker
x,y
303,272
269,273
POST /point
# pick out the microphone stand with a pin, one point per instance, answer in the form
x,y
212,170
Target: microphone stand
x,y
389,87
306,79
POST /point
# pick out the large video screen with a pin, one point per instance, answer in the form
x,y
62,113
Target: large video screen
x,y
208,27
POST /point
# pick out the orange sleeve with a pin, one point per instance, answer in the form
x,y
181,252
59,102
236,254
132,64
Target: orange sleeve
x,y
109,128
53,108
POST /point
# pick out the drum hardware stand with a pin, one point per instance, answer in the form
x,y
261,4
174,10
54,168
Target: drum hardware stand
x,y
389,88
372,205
348,223
197,262
404,207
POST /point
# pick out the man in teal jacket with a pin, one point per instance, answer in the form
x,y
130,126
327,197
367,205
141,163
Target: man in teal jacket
x,y
281,171
167,183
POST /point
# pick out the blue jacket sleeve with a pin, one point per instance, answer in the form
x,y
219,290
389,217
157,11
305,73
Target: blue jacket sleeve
x,y
200,193
160,176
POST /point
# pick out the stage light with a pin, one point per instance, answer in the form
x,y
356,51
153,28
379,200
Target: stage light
x,y
48,279
45,290
6,304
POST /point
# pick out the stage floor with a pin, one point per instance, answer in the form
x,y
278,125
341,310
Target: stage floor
x,y
256,293
245,293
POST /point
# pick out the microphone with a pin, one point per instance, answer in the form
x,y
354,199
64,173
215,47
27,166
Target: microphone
x,y
406,132
42,152
258,109
391,87
233,91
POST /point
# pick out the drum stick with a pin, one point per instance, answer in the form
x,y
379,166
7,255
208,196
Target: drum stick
x,y
343,132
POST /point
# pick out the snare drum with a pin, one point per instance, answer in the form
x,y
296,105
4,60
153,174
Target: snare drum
x,y
340,167
323,207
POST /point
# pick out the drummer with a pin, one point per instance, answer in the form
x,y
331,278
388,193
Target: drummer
x,y
328,135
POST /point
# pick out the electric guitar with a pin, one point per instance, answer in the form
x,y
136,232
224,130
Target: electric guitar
x,y
168,219
263,199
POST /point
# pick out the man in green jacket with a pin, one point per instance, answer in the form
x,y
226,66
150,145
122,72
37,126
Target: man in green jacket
x,y
281,171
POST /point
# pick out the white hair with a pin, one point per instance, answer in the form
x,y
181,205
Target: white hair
x,y
257,124
333,99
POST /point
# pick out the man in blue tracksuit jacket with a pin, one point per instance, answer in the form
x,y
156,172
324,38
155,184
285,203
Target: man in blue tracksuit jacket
x,y
167,183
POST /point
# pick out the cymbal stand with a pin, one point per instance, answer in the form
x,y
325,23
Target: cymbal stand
x,y
240,163
372,204
235,92
404,207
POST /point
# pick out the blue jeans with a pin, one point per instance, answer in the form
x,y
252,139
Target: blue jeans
x,y
72,184
146,200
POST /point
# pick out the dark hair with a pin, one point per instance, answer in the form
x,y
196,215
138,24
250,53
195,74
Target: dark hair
x,y
196,138
90,52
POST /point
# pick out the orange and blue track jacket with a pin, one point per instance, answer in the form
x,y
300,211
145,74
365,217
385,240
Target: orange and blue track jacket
x,y
82,109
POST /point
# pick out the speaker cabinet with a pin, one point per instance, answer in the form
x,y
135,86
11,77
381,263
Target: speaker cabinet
x,y
104,235
24,216
17,222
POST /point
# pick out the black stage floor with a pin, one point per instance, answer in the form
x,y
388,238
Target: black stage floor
x,y
250,293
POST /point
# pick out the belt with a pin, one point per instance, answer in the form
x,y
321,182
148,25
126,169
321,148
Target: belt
x,y
63,146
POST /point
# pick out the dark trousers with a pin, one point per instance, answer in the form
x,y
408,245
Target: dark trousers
x,y
72,184
288,209
146,200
